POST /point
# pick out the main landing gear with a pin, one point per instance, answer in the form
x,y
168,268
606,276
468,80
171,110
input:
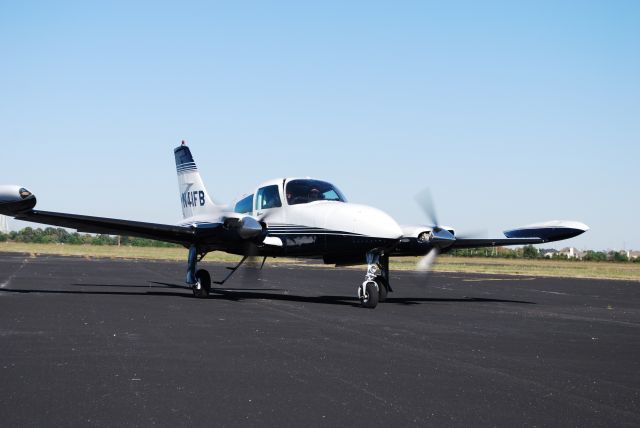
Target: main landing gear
x,y
200,280
376,286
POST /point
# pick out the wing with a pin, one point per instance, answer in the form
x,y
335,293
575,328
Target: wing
x,y
538,233
184,235
18,202
419,240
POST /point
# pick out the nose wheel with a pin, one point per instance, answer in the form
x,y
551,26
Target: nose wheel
x,y
369,294
375,287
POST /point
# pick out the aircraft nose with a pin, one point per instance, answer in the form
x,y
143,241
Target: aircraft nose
x,y
373,222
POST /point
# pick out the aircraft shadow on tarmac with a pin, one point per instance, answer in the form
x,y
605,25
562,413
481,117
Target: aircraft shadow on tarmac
x,y
239,294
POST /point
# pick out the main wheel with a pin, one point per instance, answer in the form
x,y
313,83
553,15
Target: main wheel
x,y
203,286
382,295
369,299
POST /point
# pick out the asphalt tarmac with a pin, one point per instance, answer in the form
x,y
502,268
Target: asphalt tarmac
x,y
106,343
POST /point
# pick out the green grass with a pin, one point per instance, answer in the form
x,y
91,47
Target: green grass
x,y
536,267
109,251
554,268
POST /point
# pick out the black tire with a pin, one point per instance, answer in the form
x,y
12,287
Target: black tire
x,y
203,287
382,295
370,299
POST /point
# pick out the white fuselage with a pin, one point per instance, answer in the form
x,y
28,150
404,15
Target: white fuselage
x,y
311,227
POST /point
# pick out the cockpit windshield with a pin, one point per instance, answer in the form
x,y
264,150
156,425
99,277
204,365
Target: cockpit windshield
x,y
305,191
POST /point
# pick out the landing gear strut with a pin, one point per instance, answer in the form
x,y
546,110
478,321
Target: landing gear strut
x,y
375,287
200,280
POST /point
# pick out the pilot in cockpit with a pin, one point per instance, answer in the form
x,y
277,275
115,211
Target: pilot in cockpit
x,y
303,191
271,198
314,194
270,201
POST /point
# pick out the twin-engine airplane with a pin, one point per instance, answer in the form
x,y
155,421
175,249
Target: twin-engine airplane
x,y
290,217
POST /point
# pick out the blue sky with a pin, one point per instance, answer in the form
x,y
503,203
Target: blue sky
x,y
511,112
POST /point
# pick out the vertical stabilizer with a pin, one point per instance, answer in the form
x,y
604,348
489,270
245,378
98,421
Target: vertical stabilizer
x,y
194,198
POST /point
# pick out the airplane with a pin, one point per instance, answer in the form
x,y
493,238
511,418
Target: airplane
x,y
287,217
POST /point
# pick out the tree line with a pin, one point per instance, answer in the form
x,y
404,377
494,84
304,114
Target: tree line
x,y
531,252
52,235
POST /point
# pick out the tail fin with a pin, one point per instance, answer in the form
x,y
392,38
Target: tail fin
x,y
194,198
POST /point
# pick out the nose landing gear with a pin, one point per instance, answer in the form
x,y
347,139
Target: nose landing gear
x,y
369,294
375,287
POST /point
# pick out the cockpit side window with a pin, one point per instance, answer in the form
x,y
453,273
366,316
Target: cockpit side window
x,y
305,191
268,197
245,205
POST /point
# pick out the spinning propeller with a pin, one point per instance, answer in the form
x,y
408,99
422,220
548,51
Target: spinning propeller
x,y
252,232
440,237
255,262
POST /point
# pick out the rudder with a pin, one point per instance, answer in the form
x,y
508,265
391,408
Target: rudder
x,y
194,198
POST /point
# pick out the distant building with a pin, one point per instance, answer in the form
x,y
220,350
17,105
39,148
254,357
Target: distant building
x,y
632,255
548,252
571,253
4,224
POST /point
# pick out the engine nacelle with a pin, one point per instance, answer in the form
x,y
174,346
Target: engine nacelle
x,y
249,227
15,200
423,233
246,227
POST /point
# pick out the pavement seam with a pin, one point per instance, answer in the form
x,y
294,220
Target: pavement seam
x,y
13,275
